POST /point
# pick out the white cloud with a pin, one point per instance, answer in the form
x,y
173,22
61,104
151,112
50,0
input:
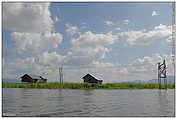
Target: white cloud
x,y
18,66
143,37
83,26
46,66
118,29
155,13
89,47
171,41
123,70
91,43
71,29
141,69
32,27
34,43
27,17
56,19
148,65
86,51
89,39
33,65
126,21
33,34
102,64
145,64
144,68
108,22
51,59
86,57
32,30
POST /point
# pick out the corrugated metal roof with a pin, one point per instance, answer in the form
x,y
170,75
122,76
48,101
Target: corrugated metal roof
x,y
34,76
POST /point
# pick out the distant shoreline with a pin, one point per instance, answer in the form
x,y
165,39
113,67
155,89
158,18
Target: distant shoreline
x,y
85,86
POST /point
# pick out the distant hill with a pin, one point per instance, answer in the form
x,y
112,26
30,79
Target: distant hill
x,y
170,80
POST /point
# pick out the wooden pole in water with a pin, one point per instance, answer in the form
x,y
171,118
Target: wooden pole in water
x,y
60,75
159,80
165,82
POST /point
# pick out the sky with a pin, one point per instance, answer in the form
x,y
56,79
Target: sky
x,y
112,41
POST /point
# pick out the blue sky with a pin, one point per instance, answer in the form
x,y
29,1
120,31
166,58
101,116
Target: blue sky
x,y
84,34
94,15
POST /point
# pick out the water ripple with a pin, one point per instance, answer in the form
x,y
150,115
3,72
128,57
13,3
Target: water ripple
x,y
59,103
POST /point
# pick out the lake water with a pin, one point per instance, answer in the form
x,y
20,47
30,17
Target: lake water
x,y
66,102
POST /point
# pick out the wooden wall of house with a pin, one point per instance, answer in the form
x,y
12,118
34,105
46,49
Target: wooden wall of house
x,y
26,79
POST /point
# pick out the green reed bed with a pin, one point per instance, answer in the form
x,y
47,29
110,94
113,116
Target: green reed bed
x,y
86,86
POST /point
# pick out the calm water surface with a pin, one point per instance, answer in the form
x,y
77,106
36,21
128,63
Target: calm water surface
x,y
66,102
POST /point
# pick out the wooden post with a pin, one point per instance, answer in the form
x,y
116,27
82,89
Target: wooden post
x,y
61,75
165,82
159,80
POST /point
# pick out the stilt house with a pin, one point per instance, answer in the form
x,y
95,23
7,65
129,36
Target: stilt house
x,y
90,79
33,79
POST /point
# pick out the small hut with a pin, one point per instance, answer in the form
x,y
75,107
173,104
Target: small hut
x,y
90,79
33,79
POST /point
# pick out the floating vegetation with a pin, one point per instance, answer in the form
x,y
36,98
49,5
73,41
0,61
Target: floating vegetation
x,y
86,86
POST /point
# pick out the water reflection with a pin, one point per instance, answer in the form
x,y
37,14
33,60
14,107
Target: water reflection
x,y
88,92
164,102
162,97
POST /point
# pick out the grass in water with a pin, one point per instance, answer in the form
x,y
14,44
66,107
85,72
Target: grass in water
x,y
86,86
